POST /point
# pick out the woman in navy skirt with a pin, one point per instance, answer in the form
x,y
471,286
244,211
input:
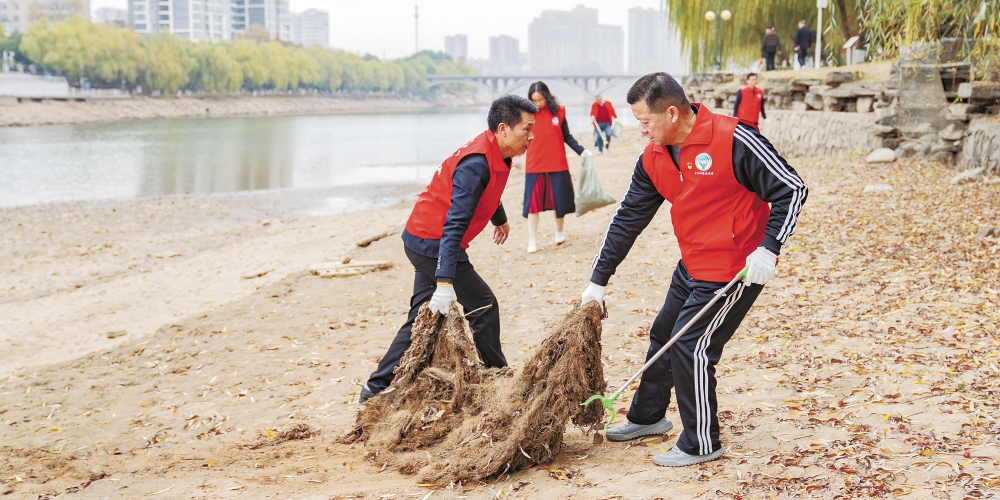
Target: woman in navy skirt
x,y
547,185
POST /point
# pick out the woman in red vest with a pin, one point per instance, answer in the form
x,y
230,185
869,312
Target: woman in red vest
x,y
548,185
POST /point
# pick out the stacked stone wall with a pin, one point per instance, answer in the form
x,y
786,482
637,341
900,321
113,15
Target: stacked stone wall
x,y
982,146
820,133
913,113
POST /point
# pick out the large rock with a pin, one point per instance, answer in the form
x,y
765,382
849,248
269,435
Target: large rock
x,y
981,145
804,83
814,101
832,103
979,90
865,104
884,130
801,105
881,155
969,176
907,148
885,116
946,157
952,132
841,77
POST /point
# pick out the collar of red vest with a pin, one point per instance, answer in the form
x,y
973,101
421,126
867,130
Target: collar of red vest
x,y
703,129
495,153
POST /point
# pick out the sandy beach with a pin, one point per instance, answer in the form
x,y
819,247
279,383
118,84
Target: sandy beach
x,y
162,347
140,108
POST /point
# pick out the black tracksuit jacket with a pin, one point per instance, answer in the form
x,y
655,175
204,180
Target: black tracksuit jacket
x,y
758,167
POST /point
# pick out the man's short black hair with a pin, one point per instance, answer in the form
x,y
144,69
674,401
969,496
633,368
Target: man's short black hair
x,y
659,91
507,109
749,75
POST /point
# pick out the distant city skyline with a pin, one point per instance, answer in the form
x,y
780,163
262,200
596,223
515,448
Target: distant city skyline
x,y
384,28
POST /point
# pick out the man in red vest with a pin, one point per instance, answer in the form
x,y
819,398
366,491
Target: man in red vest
x,y
733,202
750,101
462,197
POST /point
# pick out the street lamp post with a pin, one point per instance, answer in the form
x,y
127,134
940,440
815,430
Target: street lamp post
x,y
710,16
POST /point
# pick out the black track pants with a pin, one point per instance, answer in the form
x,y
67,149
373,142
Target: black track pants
x,y
473,293
689,365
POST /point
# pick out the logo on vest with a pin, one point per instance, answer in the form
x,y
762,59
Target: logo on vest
x,y
703,161
555,120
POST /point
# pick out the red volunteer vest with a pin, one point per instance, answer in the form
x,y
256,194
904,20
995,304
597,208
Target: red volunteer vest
x,y
547,152
717,221
750,101
429,213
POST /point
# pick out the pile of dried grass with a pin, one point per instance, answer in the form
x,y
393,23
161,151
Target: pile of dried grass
x,y
448,418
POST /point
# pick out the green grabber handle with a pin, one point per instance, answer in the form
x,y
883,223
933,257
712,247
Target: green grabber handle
x,y
608,401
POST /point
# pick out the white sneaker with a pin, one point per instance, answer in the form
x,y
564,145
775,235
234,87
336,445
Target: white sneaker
x,y
560,237
677,458
532,247
629,431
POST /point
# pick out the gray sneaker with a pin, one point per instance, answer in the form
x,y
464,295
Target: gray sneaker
x,y
677,458
629,431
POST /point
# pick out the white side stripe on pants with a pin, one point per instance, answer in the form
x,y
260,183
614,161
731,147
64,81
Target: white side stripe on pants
x,y
701,362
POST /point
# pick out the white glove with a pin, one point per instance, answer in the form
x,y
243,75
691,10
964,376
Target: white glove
x,y
760,266
586,154
442,298
594,292
766,121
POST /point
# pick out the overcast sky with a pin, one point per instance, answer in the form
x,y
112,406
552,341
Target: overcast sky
x,y
385,27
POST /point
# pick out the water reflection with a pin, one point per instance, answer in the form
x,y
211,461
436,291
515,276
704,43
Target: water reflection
x,y
155,157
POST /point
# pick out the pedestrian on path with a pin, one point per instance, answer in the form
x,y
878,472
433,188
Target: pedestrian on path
x,y
547,184
734,202
804,39
749,105
770,46
454,208
602,116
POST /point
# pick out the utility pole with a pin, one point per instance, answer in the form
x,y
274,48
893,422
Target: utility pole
x,y
416,30
820,5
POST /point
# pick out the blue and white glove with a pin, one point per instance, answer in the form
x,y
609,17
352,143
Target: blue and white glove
x,y
442,298
760,266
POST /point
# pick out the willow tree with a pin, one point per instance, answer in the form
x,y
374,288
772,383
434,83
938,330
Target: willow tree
x,y
80,48
892,25
741,35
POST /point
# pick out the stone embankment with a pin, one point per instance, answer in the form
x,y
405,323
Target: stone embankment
x,y
930,111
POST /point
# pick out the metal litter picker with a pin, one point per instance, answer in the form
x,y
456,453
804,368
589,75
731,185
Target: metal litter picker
x,y
609,401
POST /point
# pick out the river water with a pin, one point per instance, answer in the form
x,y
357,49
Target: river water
x,y
60,163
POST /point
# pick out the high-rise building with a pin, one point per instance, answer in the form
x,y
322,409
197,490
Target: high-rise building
x,y
574,42
311,27
198,20
457,46
653,43
271,14
17,15
110,15
209,20
504,52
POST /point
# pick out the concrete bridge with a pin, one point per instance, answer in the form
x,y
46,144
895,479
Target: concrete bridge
x,y
588,85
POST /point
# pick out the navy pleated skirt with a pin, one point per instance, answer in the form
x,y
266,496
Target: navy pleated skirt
x,y
549,191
